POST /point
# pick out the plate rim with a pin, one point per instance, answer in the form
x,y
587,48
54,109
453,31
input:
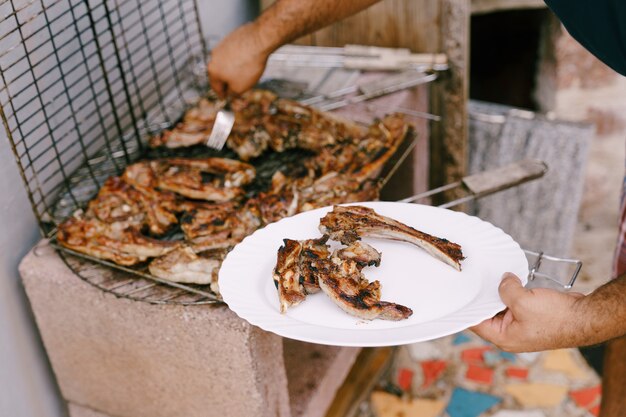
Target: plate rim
x,y
488,308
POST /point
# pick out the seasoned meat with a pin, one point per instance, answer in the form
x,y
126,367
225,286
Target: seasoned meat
x,y
116,242
342,281
361,253
215,226
211,179
272,207
183,265
120,201
195,128
287,277
334,188
313,252
349,223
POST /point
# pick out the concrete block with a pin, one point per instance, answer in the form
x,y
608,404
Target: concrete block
x,y
315,372
134,359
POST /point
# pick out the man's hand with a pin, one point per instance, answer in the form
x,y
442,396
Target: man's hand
x,y
238,61
535,319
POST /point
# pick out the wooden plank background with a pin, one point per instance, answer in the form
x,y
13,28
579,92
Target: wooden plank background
x,y
431,26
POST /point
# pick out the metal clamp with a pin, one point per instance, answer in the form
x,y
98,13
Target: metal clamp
x,y
534,269
488,182
492,181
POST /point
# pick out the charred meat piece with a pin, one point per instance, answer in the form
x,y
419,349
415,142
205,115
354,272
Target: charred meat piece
x,y
287,277
313,252
211,179
195,128
273,206
349,223
116,242
183,265
361,253
215,226
119,201
343,282
334,188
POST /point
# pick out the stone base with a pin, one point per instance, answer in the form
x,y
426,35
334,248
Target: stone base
x,y
132,359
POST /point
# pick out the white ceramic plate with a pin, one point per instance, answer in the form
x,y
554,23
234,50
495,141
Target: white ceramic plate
x,y
443,300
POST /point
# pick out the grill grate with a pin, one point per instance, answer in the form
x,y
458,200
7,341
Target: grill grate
x,y
84,82
83,85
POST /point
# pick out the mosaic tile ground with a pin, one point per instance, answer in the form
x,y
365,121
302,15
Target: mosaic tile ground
x,y
463,376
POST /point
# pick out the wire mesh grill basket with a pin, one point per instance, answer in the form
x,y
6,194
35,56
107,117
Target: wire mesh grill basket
x,y
83,85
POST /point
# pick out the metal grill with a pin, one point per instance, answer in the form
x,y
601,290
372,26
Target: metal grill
x,y
83,84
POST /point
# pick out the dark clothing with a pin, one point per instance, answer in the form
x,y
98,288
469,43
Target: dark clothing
x,y
599,25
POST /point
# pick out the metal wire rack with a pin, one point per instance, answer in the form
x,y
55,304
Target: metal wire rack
x,y
83,85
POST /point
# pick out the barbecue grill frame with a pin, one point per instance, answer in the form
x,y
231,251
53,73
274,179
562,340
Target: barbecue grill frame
x,y
122,116
94,51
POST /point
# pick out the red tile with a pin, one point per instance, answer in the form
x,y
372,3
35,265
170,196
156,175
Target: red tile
x,y
432,370
474,355
479,374
516,372
586,397
405,378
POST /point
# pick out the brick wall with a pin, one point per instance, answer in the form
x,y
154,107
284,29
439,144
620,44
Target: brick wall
x,y
585,88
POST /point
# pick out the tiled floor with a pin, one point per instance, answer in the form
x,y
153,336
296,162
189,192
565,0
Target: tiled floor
x,y
463,376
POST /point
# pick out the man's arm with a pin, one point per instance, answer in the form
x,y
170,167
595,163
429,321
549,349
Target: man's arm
x,y
238,61
541,319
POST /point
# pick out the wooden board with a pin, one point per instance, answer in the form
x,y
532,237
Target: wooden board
x,y
422,26
365,374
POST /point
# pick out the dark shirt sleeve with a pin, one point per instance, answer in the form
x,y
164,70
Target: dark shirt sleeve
x,y
599,25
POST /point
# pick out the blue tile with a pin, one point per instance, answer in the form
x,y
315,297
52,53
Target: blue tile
x,y
465,403
492,358
461,338
511,357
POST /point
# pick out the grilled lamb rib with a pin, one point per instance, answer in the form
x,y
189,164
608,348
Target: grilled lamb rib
x,y
287,276
183,265
116,242
361,253
313,252
343,281
349,223
211,179
216,226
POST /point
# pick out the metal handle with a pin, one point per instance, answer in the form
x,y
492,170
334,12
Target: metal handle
x,y
492,181
534,269
489,182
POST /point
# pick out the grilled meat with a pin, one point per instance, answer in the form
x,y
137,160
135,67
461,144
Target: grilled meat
x,y
116,242
121,201
183,265
117,202
343,281
349,223
216,226
334,188
361,253
195,128
313,251
287,276
211,179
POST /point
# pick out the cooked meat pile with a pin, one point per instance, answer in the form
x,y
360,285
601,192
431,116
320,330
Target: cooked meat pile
x,y
216,201
348,224
300,271
305,267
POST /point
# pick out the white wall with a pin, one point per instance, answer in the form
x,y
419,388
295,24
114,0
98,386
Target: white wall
x,y
27,388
